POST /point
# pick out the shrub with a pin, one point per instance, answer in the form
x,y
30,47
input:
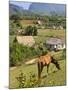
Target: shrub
x,y
19,53
15,54
31,30
35,31
23,82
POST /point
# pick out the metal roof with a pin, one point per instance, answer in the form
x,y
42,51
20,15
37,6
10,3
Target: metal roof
x,y
54,41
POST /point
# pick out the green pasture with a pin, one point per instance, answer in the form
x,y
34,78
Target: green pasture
x,y
53,78
44,34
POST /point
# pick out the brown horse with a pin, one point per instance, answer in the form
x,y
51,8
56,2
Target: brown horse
x,y
45,60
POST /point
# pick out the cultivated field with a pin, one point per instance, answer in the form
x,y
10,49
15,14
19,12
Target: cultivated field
x,y
27,22
44,34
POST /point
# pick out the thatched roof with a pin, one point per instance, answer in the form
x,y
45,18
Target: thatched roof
x,y
55,41
26,40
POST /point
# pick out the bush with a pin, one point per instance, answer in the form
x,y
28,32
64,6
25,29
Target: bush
x,y
25,83
31,30
15,54
35,31
20,53
21,80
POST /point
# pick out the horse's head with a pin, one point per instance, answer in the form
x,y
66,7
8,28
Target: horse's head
x,y
57,65
54,61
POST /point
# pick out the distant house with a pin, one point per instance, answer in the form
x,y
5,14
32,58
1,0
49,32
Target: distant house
x,y
54,27
19,31
26,40
57,27
55,44
39,22
61,27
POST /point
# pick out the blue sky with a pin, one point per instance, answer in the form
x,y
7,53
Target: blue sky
x,y
25,5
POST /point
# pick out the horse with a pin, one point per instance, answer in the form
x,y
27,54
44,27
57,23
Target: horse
x,y
45,60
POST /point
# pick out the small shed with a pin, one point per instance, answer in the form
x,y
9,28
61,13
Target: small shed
x,y
26,40
55,44
61,27
39,22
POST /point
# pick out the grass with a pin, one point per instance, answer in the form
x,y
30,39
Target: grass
x,y
50,79
55,77
26,23
44,34
51,32
11,38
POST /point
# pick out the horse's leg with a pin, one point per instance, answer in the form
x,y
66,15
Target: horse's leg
x,y
39,70
41,66
47,68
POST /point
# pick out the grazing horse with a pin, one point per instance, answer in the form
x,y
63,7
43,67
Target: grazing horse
x,y
45,60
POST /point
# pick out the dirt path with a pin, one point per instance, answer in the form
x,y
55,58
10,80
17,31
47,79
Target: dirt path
x,y
12,68
31,61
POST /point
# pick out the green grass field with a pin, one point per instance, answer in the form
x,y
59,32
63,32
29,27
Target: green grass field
x,y
44,34
54,78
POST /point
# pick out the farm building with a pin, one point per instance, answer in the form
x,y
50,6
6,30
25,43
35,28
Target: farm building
x,y
19,31
39,22
61,27
57,27
55,44
26,40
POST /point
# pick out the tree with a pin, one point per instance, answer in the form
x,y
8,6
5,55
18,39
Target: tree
x,y
35,31
31,30
15,17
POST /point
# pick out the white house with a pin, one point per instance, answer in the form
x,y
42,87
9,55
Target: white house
x,y
55,44
39,22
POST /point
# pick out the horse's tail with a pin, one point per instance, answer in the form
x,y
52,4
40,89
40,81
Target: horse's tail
x,y
54,61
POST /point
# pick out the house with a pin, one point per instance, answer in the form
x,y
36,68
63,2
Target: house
x,y
26,40
54,27
61,27
19,31
39,22
55,44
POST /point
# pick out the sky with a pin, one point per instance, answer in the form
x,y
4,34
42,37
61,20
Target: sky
x,y
25,5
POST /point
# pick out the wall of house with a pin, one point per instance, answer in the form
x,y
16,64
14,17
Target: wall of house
x,y
57,47
60,46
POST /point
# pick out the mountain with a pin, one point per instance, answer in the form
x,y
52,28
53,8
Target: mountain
x,y
47,9
38,9
15,9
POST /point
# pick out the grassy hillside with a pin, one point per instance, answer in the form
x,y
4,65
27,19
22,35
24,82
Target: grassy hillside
x,y
50,79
